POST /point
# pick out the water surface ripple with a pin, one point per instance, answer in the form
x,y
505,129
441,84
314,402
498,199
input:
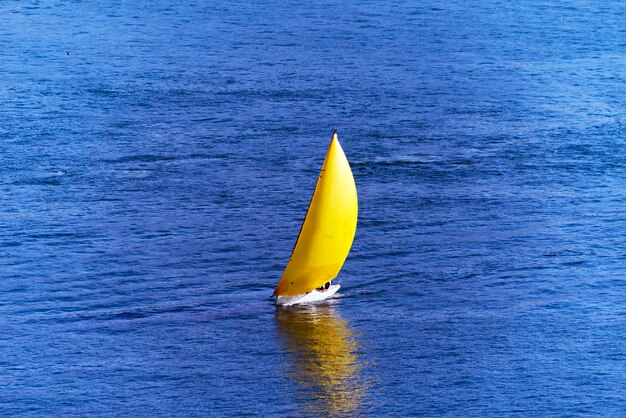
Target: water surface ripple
x,y
157,158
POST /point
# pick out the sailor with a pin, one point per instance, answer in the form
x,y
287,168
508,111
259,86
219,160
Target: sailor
x,y
324,287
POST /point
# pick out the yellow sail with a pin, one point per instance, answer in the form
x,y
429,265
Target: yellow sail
x,y
328,229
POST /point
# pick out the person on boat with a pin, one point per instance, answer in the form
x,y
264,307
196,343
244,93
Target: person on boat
x,y
323,287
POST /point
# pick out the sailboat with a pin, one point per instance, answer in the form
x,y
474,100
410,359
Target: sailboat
x,y
326,234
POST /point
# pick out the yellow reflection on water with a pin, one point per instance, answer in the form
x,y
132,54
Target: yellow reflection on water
x,y
324,363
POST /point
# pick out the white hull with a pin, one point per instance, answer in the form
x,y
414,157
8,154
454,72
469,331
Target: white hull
x,y
312,296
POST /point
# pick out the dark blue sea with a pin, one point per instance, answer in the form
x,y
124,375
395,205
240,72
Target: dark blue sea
x,y
157,159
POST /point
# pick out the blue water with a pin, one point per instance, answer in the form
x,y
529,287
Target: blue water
x,y
157,159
